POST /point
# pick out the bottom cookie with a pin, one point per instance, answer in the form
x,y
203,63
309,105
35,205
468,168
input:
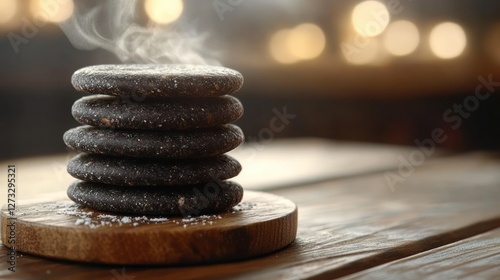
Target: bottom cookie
x,y
189,200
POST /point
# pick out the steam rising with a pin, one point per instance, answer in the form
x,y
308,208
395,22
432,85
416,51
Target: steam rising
x,y
112,25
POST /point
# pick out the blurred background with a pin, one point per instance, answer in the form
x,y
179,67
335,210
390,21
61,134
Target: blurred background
x,y
372,71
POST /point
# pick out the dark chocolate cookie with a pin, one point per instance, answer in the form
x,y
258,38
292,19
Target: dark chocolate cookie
x,y
212,197
124,171
175,113
157,80
197,143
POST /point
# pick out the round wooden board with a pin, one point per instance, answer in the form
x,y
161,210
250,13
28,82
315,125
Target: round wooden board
x,y
260,224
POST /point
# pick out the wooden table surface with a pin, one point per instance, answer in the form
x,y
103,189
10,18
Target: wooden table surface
x,y
440,221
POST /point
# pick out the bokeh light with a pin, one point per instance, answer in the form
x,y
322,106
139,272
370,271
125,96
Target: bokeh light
x,y
279,49
370,18
163,11
401,38
447,40
303,42
52,11
306,41
8,9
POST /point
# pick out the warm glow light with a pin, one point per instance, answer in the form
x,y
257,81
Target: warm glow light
x,y
493,42
8,9
370,18
306,41
53,11
447,40
401,38
362,55
279,47
164,11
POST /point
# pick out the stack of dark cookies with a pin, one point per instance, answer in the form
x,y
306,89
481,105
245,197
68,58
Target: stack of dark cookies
x,y
154,138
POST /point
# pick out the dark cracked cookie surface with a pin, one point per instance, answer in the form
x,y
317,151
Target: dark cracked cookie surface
x,y
151,172
151,80
212,197
168,114
196,143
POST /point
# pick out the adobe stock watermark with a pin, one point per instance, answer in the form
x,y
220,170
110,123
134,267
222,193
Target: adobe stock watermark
x,y
223,6
454,116
202,199
265,136
30,28
374,26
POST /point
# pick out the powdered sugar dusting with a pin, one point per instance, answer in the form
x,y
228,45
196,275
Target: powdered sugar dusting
x,y
91,219
244,206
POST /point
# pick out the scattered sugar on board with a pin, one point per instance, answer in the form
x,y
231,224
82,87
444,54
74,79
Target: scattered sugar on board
x,y
244,206
91,220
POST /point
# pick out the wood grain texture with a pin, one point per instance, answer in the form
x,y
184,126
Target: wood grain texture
x,y
261,223
346,226
477,257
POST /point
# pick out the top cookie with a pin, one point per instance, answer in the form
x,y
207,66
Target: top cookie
x,y
174,80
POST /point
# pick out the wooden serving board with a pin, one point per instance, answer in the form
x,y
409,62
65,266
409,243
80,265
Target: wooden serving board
x,y
260,224
477,257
